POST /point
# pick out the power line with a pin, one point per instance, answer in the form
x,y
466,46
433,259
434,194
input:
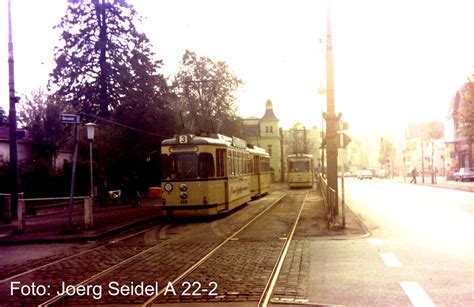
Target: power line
x,y
122,125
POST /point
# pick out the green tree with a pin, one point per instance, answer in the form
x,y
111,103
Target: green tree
x,y
465,116
102,60
40,117
433,131
135,130
386,154
205,90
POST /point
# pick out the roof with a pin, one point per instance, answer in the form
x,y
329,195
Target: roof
x,y
300,156
197,140
269,115
214,139
457,101
257,150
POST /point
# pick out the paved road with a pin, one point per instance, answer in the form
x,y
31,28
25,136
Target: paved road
x,y
420,251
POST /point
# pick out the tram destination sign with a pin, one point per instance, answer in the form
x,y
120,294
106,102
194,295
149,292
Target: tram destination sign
x,y
70,119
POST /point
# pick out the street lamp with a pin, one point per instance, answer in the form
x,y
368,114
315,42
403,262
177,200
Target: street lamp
x,y
90,136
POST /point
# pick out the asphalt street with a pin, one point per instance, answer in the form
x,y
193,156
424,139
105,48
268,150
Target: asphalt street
x,y
420,250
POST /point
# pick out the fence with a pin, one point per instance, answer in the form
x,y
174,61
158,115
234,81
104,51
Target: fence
x,y
43,205
329,198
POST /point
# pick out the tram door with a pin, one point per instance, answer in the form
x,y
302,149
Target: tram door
x,y
256,167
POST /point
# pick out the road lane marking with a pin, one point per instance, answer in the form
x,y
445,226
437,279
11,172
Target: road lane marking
x,y
391,260
375,242
416,294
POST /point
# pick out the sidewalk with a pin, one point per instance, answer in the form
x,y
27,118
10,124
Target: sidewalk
x,y
467,186
53,227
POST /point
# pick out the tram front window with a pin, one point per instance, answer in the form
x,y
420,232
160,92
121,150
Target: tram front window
x,y
188,166
183,166
299,166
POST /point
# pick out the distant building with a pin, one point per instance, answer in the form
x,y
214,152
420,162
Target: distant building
x,y
420,150
26,150
457,154
265,133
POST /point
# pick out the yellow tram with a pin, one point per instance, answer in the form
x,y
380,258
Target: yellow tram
x,y
259,170
300,171
206,175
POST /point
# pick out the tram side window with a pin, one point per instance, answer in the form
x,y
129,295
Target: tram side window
x,y
246,163
265,165
239,163
220,163
206,165
230,162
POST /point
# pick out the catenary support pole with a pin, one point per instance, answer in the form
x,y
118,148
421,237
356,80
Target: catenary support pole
x,y
331,119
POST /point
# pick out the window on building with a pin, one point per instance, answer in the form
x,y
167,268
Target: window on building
x,y
271,129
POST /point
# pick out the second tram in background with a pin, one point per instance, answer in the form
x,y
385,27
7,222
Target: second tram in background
x,y
300,171
209,175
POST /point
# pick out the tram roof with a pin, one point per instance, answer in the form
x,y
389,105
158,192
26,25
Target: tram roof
x,y
300,156
257,150
215,139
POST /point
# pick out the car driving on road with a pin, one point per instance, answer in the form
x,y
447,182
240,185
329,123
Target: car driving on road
x,y
364,174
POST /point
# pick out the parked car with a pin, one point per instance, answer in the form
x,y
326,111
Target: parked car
x,y
464,174
364,174
349,174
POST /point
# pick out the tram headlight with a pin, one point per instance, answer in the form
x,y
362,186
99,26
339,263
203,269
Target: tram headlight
x,y
168,187
183,187
183,195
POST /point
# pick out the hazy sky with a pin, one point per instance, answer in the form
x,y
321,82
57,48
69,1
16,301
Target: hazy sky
x,y
395,60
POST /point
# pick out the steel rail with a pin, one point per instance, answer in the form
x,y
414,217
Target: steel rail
x,y
267,292
108,270
72,256
213,251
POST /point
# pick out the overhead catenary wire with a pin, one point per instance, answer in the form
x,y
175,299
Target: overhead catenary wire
x,y
122,125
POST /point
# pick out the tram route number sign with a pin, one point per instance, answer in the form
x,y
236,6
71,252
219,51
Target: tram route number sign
x,y
70,119
183,139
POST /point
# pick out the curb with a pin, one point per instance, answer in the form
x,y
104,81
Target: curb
x,y
88,235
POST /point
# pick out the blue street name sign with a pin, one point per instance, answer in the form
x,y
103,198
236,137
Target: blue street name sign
x,y
70,118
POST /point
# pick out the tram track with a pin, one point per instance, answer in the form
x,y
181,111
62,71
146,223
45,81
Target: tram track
x,y
89,250
138,260
266,291
163,262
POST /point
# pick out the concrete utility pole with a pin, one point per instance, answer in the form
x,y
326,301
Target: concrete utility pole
x,y
282,158
305,141
422,153
12,118
332,121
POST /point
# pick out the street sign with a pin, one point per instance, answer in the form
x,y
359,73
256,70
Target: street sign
x,y
70,119
344,140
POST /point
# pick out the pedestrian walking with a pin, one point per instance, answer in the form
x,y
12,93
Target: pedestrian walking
x,y
414,173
